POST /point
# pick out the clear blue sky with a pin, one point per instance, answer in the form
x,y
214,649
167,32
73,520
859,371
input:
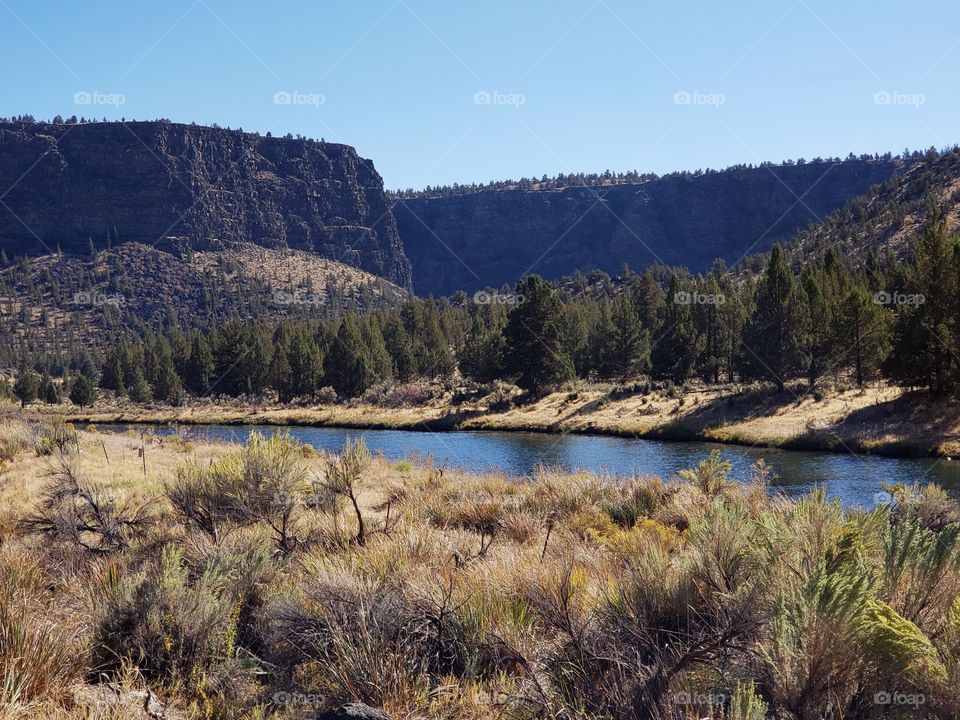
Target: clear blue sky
x,y
571,85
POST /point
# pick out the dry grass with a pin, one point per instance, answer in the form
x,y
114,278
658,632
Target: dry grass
x,y
465,596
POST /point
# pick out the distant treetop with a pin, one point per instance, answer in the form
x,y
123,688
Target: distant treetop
x,y
608,178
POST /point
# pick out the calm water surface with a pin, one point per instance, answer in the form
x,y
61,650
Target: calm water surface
x,y
855,480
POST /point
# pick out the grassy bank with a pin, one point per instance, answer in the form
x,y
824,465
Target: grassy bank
x,y
148,577
878,420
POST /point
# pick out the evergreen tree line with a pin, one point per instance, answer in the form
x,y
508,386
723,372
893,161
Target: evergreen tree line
x,y
898,320
608,177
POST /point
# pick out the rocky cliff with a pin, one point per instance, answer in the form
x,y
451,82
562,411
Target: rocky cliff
x,y
175,186
489,238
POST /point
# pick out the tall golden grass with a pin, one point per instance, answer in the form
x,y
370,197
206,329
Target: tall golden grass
x,y
272,581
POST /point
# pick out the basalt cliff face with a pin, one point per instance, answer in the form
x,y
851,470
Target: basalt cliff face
x,y
488,238
174,187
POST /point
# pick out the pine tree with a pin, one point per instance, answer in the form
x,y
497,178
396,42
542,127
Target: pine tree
x,y
400,347
481,355
26,387
926,334
200,364
648,301
733,315
862,333
380,361
675,352
708,319
111,374
774,342
140,390
535,336
83,392
631,341
306,364
346,366
602,342
47,390
578,337
281,376
821,340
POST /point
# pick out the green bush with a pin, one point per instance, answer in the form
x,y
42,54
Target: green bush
x,y
178,624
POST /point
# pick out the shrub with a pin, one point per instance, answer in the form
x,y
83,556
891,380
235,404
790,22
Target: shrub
x,y
636,500
56,436
14,437
343,481
266,482
403,395
710,476
75,512
898,647
381,643
178,624
38,658
326,396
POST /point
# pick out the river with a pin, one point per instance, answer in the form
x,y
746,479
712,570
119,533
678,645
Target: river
x,y
854,479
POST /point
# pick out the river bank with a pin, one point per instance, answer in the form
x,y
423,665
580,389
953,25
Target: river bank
x,y
878,420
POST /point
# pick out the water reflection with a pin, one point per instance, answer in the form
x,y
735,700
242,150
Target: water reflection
x,y
855,480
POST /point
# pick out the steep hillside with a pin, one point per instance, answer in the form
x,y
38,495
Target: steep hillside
x,y
177,186
491,237
75,302
886,219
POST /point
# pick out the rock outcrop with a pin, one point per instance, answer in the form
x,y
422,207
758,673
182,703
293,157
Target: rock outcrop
x,y
488,238
353,711
176,186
